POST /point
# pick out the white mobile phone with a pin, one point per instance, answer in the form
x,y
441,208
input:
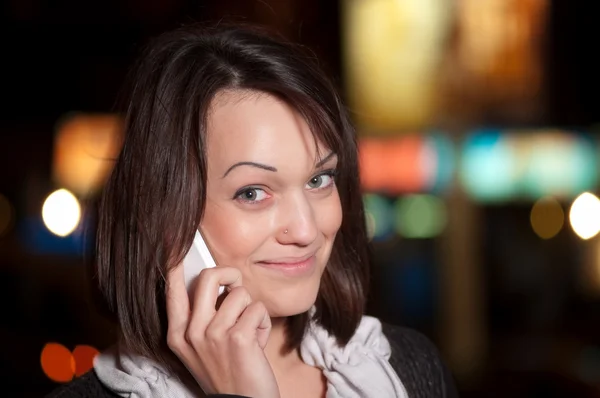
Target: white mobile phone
x,y
197,259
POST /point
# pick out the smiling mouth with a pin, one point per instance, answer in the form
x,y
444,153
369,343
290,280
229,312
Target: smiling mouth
x,y
292,266
289,261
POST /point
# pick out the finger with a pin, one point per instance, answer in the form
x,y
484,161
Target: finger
x,y
264,329
177,301
207,291
256,322
233,306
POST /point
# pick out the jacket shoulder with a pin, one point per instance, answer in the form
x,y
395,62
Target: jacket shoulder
x,y
89,386
86,386
418,363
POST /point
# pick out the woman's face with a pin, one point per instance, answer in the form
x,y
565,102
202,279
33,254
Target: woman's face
x,y
272,207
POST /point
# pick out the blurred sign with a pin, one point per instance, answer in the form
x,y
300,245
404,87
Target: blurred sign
x,y
494,62
500,165
499,41
85,149
408,164
392,51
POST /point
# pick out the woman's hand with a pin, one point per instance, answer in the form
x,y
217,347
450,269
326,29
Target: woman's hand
x,y
224,349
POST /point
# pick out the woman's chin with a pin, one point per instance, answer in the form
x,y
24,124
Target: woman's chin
x,y
283,309
285,313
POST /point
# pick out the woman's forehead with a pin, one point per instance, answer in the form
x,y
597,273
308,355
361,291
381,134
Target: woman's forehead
x,y
259,126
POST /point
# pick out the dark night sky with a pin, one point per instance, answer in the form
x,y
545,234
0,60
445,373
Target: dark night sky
x,y
73,55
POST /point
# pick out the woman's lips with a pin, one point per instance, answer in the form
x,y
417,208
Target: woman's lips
x,y
291,266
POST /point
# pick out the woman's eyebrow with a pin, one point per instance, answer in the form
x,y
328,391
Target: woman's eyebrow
x,y
252,164
271,168
325,160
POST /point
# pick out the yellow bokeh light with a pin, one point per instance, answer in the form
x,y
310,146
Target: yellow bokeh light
x,y
585,215
547,217
392,50
61,212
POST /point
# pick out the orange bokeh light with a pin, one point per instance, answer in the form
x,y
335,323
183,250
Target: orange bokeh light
x,y
397,165
372,164
61,365
84,359
405,172
85,149
57,362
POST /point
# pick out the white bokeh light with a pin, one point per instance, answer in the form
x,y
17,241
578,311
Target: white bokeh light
x,y
585,215
61,212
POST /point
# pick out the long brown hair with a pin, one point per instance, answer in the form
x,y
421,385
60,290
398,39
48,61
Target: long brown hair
x,y
154,199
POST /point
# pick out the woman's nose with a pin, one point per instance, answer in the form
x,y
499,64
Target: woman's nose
x,y
299,226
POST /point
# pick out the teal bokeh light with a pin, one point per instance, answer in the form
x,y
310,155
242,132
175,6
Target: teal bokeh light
x,y
487,169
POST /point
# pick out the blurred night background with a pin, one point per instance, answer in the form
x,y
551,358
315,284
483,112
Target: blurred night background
x,y
479,153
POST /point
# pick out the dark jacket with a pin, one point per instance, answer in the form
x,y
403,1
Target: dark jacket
x,y
414,358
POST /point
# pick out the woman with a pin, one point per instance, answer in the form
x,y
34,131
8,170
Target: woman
x,y
238,134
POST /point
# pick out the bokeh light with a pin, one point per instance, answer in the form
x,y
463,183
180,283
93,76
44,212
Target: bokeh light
x,y
487,168
84,358
379,210
585,215
410,164
547,217
57,362
507,59
61,365
420,216
61,212
6,215
443,147
392,51
370,221
501,165
557,163
85,148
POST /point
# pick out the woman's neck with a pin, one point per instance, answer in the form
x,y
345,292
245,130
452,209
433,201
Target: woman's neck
x,y
278,356
294,377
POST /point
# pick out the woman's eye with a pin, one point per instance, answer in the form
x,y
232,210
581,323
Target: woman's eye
x,y
252,195
320,181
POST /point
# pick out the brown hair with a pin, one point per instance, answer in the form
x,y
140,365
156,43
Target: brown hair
x,y
154,199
